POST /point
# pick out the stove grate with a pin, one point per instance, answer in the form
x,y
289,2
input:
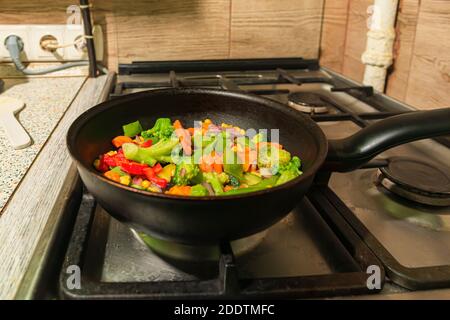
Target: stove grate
x,y
228,283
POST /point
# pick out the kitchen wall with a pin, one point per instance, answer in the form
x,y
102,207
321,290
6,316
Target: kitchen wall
x,y
219,29
194,29
420,74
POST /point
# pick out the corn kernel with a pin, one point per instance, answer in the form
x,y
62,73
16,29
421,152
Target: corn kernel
x,y
145,184
96,164
111,153
256,173
126,180
114,176
207,121
152,188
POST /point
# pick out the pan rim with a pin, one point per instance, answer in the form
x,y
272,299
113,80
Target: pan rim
x,y
314,129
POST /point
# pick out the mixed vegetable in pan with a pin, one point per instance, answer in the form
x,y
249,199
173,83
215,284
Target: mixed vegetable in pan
x,y
204,160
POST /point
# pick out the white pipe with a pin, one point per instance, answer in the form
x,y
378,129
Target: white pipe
x,y
380,42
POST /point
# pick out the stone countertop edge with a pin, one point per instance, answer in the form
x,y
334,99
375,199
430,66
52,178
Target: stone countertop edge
x,y
46,100
25,228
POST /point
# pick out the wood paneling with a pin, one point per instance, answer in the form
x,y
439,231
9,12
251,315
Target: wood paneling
x,y
172,29
420,74
429,77
103,15
34,12
275,28
195,29
355,42
334,29
397,82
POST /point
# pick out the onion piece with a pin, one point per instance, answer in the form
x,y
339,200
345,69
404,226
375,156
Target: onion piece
x,y
137,181
209,188
213,129
155,188
266,172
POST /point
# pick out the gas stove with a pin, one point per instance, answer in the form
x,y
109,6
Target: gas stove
x,y
392,215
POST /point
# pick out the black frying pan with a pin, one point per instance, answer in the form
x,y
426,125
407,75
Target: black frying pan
x,y
203,220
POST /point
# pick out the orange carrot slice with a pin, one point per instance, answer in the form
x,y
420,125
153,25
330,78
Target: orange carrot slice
x,y
120,140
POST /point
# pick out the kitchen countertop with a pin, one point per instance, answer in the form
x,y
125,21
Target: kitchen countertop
x,y
46,100
36,202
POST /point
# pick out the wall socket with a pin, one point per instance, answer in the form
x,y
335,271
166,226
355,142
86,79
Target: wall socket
x,y
32,35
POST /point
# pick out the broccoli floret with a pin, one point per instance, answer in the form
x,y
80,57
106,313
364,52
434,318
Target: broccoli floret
x,y
198,191
223,178
234,181
214,180
267,158
289,171
160,151
162,129
185,173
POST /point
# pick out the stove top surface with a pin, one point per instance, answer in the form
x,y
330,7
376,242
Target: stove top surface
x,y
315,242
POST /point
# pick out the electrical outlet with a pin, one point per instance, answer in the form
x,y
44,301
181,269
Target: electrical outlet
x,y
20,31
64,35
74,34
37,34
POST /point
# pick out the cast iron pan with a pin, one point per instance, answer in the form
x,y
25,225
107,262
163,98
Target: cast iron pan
x,y
207,220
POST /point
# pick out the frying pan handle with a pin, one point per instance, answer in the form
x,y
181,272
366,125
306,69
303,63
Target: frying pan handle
x,y
352,152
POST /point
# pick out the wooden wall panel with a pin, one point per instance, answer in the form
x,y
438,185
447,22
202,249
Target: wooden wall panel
x,y
34,12
334,29
407,16
355,42
429,77
195,29
172,29
275,28
103,15
420,74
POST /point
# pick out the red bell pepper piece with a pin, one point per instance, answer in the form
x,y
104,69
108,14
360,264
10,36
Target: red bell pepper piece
x,y
147,144
109,160
133,168
150,174
102,166
157,168
162,183
114,160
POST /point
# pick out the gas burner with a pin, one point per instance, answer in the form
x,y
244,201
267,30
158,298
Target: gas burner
x,y
205,253
416,180
307,102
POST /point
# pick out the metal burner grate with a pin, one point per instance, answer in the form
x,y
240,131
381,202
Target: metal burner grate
x,y
345,252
